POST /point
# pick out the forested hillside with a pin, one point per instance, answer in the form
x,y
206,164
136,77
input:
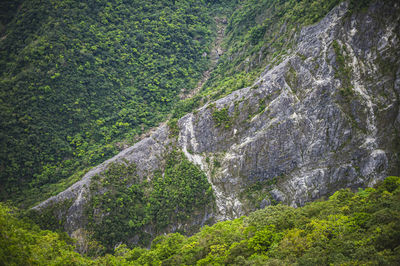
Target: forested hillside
x,y
210,132
348,229
80,80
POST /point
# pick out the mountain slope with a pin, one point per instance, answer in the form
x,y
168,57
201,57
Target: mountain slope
x,y
79,80
324,117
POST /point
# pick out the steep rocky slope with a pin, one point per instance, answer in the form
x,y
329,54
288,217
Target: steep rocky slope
x,y
323,118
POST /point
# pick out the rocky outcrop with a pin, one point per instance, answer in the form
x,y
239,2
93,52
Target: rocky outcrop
x,y
146,155
309,124
326,117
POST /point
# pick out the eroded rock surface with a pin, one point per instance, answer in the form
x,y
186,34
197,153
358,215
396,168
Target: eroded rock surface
x,y
305,127
325,118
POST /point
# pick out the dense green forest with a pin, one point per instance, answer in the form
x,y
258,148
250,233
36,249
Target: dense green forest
x,y
81,80
171,197
349,228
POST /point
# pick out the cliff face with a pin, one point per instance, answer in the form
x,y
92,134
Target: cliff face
x,y
326,117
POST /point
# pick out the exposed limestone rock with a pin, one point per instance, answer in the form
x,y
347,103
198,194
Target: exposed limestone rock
x,y
301,132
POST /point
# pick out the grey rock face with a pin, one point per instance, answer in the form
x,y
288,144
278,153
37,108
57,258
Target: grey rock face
x,y
305,129
299,127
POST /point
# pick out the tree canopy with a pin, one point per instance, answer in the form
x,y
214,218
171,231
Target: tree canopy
x,y
79,80
350,228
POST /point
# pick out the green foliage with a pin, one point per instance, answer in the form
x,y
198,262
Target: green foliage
x,y
22,243
390,184
263,239
343,71
49,216
262,106
173,127
259,33
357,5
216,163
78,77
348,229
167,245
8,8
185,106
291,77
221,117
129,204
181,191
256,192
